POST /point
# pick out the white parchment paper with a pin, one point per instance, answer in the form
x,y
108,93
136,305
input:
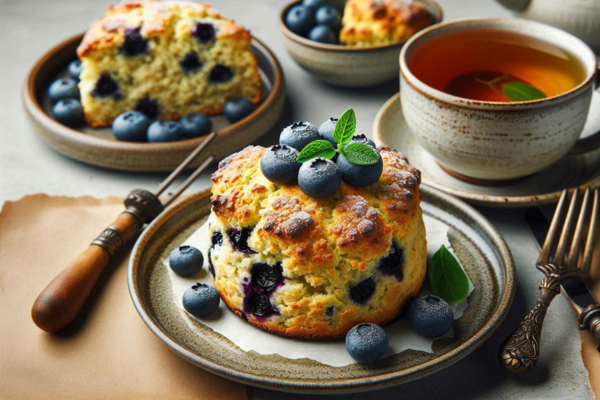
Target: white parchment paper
x,y
400,335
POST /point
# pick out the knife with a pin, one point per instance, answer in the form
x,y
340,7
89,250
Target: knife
x,y
575,290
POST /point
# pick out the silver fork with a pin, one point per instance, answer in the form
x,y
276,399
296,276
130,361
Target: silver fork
x,y
520,351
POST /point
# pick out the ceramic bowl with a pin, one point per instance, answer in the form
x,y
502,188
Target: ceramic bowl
x,y
99,147
342,65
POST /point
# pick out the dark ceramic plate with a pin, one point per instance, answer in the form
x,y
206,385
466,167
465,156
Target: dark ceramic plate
x,y
99,147
479,246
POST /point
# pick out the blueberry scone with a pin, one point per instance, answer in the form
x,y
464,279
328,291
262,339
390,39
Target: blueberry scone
x,y
380,22
313,268
165,59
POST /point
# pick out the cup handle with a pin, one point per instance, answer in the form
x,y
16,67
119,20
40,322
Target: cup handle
x,y
591,142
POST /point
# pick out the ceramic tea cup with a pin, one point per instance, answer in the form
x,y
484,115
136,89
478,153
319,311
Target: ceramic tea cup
x,y
494,141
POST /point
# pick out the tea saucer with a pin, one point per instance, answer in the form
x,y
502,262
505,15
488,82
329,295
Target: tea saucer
x,y
541,188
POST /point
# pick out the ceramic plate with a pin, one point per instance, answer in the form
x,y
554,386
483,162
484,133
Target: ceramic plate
x,y
478,245
99,147
541,188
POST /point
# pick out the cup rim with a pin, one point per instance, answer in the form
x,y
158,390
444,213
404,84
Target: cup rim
x,y
427,90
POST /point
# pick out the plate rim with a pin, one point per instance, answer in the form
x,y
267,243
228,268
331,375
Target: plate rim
x,y
475,198
339,385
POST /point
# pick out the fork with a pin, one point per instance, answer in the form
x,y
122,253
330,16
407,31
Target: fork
x,y
520,351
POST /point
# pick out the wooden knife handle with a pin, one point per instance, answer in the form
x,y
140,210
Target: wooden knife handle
x,y
62,299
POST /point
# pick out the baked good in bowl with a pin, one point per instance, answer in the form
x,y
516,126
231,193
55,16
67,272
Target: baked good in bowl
x,y
165,59
369,23
313,268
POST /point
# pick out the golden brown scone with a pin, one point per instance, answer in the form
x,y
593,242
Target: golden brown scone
x,y
313,268
165,59
380,22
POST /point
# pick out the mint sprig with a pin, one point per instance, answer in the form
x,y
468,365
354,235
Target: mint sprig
x,y
356,153
521,91
447,278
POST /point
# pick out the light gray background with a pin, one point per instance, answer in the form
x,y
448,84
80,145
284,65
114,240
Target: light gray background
x,y
28,28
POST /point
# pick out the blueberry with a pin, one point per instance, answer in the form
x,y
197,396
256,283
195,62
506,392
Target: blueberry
x,y
105,86
201,300
328,16
326,130
191,62
64,88
366,342
195,124
319,178
266,277
299,20
220,74
164,131
204,32
238,109
361,292
360,175
149,107
393,263
330,311
75,67
211,267
278,164
186,260
68,112
299,135
131,126
216,239
313,4
362,139
430,316
134,44
239,239
259,304
322,34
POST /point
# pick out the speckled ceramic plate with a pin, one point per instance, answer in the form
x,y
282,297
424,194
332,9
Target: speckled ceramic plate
x,y
479,246
99,146
541,188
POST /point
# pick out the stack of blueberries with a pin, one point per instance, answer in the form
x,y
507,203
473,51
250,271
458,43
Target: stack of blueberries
x,y
315,20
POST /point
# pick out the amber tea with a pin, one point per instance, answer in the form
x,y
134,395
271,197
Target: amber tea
x,y
495,65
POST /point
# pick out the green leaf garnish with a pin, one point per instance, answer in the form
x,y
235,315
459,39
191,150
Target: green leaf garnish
x,y
361,154
521,91
318,148
345,127
447,278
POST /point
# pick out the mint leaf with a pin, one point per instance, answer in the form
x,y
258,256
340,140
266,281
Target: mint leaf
x,y
447,278
345,127
318,148
361,154
521,91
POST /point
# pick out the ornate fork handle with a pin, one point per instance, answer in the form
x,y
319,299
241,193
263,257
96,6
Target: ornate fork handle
x,y
590,319
520,351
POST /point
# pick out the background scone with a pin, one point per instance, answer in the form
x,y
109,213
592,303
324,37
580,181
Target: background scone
x,y
165,59
380,22
309,268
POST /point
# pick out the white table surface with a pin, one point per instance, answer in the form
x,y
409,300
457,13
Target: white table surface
x,y
28,28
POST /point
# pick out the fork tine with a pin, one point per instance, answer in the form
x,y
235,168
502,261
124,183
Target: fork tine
x,y
579,235
592,235
544,257
563,242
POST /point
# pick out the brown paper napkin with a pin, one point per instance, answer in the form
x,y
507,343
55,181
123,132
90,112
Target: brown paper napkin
x,y
109,354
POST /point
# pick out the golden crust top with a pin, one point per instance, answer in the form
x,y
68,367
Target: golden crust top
x,y
381,22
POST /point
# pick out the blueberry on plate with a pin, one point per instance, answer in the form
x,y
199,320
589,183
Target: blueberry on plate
x,y
195,124
326,130
362,139
278,164
430,316
131,126
359,175
68,112
328,16
322,34
164,131
64,88
319,178
366,342
201,300
313,4
186,260
75,67
299,20
299,135
238,108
